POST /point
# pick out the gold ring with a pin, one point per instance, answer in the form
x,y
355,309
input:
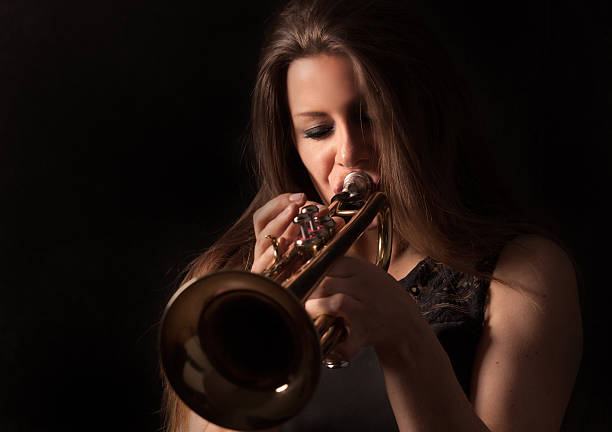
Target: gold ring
x,y
274,246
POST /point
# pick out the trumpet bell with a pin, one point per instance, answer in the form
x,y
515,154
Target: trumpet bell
x,y
240,350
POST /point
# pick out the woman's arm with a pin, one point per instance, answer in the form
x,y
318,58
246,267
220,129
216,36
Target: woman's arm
x,y
531,346
422,388
526,361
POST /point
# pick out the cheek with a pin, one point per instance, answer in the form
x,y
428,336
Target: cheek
x,y
318,159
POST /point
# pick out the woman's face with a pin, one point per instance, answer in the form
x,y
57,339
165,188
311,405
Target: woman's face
x,y
331,125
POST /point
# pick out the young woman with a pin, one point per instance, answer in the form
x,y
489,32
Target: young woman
x,y
476,325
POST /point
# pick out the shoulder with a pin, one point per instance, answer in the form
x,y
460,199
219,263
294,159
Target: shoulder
x,y
534,270
534,290
531,344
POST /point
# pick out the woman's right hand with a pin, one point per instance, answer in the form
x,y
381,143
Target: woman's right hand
x,y
275,218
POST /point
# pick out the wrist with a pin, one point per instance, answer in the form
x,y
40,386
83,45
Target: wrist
x,y
406,345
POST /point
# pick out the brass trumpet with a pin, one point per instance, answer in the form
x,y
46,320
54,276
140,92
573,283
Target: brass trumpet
x,y
239,348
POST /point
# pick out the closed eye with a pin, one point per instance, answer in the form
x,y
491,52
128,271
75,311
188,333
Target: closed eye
x,y
318,132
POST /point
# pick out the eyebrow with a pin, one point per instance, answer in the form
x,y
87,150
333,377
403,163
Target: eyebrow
x,y
316,114
357,103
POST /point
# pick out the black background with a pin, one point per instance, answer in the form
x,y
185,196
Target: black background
x,y
121,126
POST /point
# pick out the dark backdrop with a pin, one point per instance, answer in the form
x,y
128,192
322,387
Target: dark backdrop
x,y
120,159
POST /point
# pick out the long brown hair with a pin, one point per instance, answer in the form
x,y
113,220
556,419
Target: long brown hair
x,y
445,200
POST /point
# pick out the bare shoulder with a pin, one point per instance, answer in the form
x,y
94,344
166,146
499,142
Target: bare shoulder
x,y
536,294
531,346
538,267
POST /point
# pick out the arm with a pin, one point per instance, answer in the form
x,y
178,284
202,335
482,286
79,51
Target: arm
x,y
531,346
526,362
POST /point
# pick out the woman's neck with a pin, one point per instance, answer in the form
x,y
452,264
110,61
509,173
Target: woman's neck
x,y
403,257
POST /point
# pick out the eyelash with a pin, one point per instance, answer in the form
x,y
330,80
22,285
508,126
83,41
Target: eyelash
x,y
318,132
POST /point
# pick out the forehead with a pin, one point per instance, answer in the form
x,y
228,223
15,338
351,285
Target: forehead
x,y
321,82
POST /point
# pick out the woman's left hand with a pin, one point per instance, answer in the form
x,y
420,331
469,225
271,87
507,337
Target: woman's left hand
x,y
377,311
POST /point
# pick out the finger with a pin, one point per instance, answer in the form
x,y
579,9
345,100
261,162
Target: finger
x,y
347,349
333,285
340,349
274,207
340,222
263,260
265,253
282,222
340,304
324,210
279,227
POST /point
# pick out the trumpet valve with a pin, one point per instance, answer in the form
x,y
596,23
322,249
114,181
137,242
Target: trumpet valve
x,y
314,231
308,247
325,226
303,220
310,211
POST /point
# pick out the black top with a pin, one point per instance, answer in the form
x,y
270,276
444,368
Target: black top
x,y
355,399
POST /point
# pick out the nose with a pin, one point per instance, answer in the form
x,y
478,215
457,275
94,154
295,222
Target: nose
x,y
352,149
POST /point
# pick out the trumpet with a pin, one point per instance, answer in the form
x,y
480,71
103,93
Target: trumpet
x,y
238,347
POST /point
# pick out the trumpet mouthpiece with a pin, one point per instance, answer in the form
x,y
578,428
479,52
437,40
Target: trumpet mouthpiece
x,y
358,182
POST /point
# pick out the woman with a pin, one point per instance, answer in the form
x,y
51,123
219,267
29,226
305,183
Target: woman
x,y
476,326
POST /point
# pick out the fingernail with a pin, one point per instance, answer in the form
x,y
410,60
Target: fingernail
x,y
296,197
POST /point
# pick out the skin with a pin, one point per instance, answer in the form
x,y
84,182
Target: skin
x,y
531,343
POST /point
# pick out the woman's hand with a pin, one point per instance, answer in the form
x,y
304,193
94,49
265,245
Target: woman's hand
x,y
377,311
275,219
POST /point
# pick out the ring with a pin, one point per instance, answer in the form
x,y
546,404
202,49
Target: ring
x,y
335,363
274,246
